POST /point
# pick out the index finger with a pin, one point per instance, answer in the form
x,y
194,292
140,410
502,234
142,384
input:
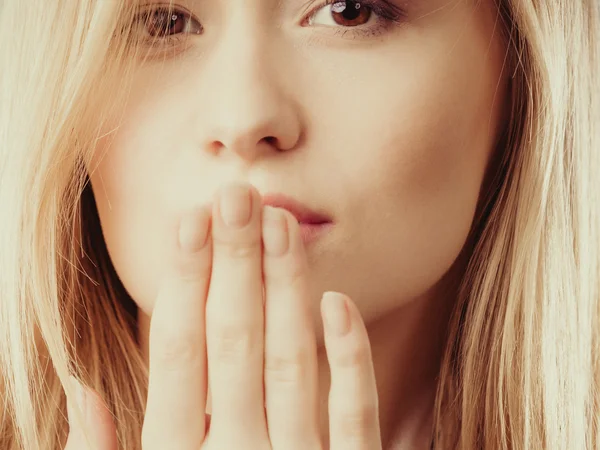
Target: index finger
x,y
177,384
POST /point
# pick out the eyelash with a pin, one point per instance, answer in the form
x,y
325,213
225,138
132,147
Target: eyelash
x,y
143,19
387,14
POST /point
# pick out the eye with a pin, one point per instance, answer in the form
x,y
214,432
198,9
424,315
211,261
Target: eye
x,y
343,13
360,18
165,22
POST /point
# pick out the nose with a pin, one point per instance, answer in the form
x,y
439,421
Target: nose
x,y
251,110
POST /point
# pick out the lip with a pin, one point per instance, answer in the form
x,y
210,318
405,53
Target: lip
x,y
312,223
302,213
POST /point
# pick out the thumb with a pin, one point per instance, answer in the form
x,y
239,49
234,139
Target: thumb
x,y
91,424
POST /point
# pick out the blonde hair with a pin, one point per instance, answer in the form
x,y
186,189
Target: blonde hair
x,y
522,364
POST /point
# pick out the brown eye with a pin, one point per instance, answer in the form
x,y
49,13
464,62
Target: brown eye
x,y
350,13
164,22
343,13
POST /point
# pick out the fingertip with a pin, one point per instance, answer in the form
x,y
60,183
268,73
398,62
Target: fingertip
x,y
194,230
336,316
193,258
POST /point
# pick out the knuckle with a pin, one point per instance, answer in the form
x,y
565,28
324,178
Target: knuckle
x,y
292,274
175,350
296,273
359,421
355,357
197,269
238,248
287,369
234,341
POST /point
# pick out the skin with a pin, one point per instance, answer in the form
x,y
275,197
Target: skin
x,y
238,333
390,135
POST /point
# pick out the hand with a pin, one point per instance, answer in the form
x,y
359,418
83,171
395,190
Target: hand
x,y
209,323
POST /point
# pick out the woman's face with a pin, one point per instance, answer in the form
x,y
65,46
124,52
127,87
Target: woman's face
x,y
385,126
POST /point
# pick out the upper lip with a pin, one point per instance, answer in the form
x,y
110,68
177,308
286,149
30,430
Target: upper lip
x,y
301,212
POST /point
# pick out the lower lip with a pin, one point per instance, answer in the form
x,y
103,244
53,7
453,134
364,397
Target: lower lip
x,y
310,232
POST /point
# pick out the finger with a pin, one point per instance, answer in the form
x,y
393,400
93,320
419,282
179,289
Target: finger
x,y
290,350
353,401
91,425
177,349
234,315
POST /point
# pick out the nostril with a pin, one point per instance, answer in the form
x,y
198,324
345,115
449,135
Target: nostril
x,y
271,140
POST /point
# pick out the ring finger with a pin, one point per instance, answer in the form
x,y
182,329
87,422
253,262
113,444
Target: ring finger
x,y
290,353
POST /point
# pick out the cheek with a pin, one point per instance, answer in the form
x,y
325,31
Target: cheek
x,y
413,168
404,173
136,211
416,209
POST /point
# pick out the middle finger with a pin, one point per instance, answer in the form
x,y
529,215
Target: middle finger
x,y
234,315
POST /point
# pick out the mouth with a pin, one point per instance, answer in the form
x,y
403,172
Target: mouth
x,y
313,224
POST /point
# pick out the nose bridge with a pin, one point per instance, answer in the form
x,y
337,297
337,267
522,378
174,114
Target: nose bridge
x,y
249,105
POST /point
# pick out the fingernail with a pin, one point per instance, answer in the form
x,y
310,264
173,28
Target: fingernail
x,y
193,231
275,232
236,206
335,313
